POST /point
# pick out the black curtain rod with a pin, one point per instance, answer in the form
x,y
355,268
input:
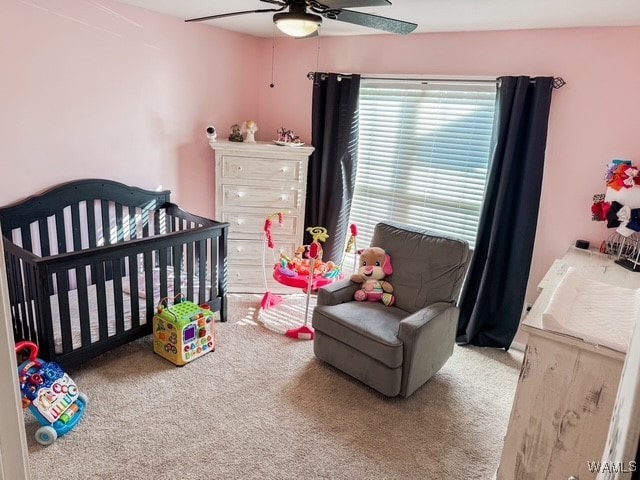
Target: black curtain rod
x,y
558,82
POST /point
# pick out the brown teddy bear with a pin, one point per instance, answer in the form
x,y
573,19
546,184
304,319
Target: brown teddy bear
x,y
375,264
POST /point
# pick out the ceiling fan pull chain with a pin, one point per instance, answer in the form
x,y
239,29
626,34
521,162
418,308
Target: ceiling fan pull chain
x,y
273,53
318,53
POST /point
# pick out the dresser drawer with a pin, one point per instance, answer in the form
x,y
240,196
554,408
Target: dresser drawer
x,y
252,196
249,252
260,169
251,225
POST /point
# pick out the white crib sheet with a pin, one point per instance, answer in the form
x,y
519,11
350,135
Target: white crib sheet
x,y
74,310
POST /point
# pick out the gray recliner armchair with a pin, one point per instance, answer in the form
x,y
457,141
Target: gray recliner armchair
x,y
396,349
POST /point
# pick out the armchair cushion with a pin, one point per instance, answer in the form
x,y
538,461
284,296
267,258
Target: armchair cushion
x,y
368,327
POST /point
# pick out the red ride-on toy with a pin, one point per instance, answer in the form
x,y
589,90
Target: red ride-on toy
x,y
50,394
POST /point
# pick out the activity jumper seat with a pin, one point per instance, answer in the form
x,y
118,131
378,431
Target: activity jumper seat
x,y
305,269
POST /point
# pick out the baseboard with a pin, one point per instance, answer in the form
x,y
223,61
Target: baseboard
x,y
518,346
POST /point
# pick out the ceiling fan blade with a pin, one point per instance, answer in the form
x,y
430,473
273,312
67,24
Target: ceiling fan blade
x,y
347,3
386,24
233,14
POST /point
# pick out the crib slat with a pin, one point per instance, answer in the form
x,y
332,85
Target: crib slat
x,y
117,294
119,223
15,298
60,232
76,226
156,223
106,224
26,295
145,223
26,238
148,284
190,261
214,268
62,282
32,295
91,223
221,291
133,288
83,306
132,223
177,270
92,231
202,271
43,228
101,297
162,259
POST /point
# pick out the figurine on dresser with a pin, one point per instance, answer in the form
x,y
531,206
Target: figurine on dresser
x,y
249,128
236,134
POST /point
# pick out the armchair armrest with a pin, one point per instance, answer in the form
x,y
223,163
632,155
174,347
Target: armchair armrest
x,y
337,292
428,337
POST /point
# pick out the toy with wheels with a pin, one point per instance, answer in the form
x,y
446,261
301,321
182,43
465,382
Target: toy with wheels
x,y
50,394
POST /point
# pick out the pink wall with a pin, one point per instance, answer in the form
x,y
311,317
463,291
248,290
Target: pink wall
x,y
594,118
100,89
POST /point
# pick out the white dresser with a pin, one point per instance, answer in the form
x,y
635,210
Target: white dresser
x,y
253,181
567,387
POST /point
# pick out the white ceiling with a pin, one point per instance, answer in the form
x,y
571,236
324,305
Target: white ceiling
x,y
430,15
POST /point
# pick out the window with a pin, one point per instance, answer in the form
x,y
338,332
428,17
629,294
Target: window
x,y
423,155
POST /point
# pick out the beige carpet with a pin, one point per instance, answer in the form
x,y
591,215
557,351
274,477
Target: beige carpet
x,y
262,407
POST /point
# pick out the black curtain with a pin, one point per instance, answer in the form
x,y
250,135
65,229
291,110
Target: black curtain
x,y
332,167
494,291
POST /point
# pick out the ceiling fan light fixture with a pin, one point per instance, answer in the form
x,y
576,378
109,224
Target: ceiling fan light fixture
x,y
297,24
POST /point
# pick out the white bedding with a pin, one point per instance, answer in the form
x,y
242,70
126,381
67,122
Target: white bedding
x,y
596,312
156,283
74,307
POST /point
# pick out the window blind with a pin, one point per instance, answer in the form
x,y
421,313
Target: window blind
x,y
423,156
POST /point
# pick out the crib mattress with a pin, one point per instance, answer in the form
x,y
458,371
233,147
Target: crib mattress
x,y
74,308
74,311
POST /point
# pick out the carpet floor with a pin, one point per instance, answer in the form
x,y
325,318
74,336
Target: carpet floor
x,y
263,407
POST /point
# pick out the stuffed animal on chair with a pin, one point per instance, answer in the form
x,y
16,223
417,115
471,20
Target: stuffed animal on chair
x,y
375,265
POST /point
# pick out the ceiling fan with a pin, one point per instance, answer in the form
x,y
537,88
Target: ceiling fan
x,y
304,17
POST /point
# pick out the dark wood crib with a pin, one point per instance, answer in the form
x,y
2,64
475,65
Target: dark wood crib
x,y
88,262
